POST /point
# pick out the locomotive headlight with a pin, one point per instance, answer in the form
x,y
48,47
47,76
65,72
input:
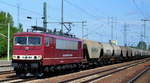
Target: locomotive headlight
x,y
39,57
18,57
27,57
35,57
14,57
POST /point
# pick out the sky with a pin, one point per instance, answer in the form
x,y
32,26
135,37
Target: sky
x,y
100,15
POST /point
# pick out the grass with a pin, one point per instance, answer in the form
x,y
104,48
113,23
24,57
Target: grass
x,y
4,58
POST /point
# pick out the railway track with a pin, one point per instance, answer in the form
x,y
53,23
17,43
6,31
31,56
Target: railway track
x,y
6,69
6,72
100,74
5,65
11,77
16,80
139,74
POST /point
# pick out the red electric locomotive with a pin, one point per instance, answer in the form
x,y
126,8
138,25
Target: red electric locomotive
x,y
35,53
38,53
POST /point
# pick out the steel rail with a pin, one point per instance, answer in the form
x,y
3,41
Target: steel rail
x,y
7,72
14,79
83,76
9,79
139,74
117,70
24,80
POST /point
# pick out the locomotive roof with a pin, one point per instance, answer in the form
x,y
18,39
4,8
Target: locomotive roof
x,y
50,35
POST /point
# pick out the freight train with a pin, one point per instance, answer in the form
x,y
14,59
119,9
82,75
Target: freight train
x,y
37,53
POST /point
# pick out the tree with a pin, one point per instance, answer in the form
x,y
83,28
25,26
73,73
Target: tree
x,y
6,18
142,45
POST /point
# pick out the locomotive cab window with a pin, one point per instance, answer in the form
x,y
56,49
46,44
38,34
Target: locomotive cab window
x,y
34,41
46,41
20,40
28,41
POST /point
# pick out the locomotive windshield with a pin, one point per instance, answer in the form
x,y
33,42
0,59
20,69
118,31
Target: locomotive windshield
x,y
20,40
30,41
34,41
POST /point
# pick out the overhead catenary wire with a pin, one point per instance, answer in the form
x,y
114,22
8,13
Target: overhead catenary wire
x,y
24,9
139,10
94,7
145,9
81,9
